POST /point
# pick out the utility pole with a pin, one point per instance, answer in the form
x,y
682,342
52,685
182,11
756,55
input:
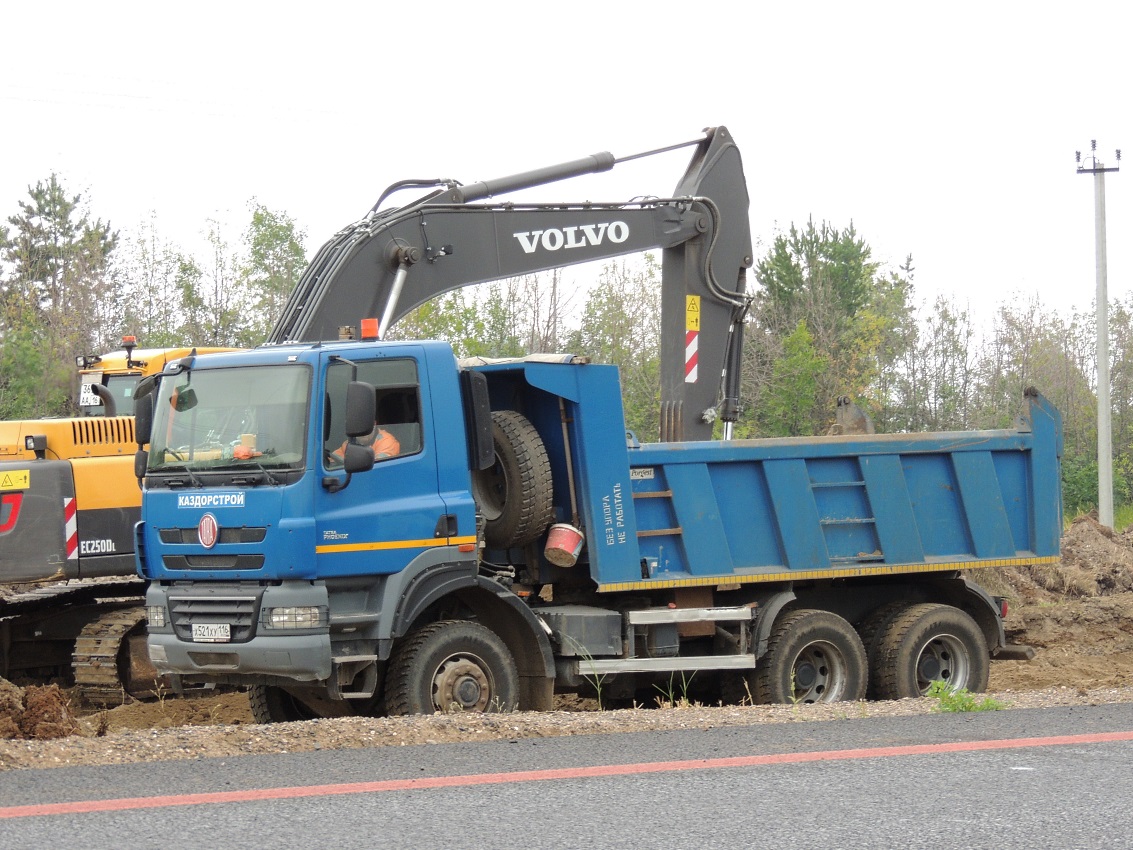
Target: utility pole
x,y
1097,168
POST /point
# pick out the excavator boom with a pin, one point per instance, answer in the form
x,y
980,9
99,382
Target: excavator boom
x,y
393,261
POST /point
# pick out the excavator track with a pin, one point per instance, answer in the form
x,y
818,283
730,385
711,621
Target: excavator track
x,y
107,672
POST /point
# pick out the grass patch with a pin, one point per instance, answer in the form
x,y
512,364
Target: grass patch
x,y
960,699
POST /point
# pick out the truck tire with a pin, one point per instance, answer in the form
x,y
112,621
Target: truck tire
x,y
451,666
870,630
928,643
812,656
271,704
515,493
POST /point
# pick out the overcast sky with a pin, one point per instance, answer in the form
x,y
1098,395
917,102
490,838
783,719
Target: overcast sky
x,y
944,131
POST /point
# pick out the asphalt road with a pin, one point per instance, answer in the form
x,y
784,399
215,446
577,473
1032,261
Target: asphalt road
x,y
993,780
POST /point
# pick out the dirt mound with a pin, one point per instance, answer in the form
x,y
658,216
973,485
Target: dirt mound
x,y
1077,613
37,712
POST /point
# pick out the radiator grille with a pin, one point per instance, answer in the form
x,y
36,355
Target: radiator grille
x,y
239,612
103,430
213,562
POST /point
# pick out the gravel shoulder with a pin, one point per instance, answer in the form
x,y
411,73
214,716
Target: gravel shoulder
x,y
1077,614
203,737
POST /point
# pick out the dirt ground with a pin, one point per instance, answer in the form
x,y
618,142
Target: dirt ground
x,y
1077,614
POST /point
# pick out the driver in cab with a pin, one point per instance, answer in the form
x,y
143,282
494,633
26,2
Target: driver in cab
x,y
382,442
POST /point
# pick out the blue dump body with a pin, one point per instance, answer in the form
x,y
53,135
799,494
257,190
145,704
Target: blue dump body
x,y
745,511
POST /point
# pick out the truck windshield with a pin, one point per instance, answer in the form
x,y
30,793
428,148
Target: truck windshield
x,y
229,418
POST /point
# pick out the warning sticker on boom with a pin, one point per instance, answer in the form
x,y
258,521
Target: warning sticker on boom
x,y
692,312
15,479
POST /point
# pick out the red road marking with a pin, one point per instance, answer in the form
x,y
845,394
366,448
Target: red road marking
x,y
123,804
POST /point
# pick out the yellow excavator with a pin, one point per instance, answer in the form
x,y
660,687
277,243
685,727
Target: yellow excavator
x,y
70,602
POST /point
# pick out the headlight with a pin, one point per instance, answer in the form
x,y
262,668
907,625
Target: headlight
x,y
296,617
155,616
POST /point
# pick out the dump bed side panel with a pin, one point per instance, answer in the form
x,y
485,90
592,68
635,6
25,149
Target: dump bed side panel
x,y
773,510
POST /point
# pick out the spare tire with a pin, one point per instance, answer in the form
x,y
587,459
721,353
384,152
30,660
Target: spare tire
x,y
515,493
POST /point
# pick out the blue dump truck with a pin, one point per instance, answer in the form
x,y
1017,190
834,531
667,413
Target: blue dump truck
x,y
518,543
345,523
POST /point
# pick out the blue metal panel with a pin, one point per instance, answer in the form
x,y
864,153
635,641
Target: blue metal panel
x,y
896,524
1012,470
746,511
982,503
796,514
934,493
605,499
1046,477
845,514
704,542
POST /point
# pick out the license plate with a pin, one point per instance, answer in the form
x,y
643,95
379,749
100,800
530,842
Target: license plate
x,y
212,632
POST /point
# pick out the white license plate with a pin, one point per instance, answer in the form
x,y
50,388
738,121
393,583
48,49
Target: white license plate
x,y
212,632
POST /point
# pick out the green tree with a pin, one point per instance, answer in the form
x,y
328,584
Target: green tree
x,y
218,309
452,317
273,264
818,271
59,294
857,320
621,324
788,408
153,271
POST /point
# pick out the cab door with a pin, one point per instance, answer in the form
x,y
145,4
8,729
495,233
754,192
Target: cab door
x,y
384,518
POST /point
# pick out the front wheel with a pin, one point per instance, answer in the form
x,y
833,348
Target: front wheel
x,y
812,656
272,704
930,643
451,666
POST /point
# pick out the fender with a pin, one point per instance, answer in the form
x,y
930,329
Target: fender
x,y
525,635
767,613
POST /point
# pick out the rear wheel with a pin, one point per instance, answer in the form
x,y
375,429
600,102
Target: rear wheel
x,y
812,656
871,629
930,643
451,666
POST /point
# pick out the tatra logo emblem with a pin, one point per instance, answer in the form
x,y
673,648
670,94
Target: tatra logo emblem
x,y
208,531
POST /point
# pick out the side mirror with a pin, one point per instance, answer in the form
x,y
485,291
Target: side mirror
x,y
143,419
185,399
141,461
358,458
361,403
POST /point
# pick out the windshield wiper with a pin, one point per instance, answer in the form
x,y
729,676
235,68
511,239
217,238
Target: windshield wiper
x,y
177,482
240,463
271,478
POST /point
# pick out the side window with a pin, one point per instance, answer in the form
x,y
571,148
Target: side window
x,y
397,414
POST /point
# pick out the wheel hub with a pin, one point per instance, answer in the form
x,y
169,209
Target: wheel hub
x,y
818,674
942,660
805,675
931,668
461,684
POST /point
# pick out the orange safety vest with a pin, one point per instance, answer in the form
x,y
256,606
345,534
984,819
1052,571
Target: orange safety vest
x,y
385,445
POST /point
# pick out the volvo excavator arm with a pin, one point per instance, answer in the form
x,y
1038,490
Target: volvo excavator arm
x,y
393,261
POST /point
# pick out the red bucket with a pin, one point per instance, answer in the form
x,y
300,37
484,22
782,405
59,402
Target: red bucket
x,y
564,542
